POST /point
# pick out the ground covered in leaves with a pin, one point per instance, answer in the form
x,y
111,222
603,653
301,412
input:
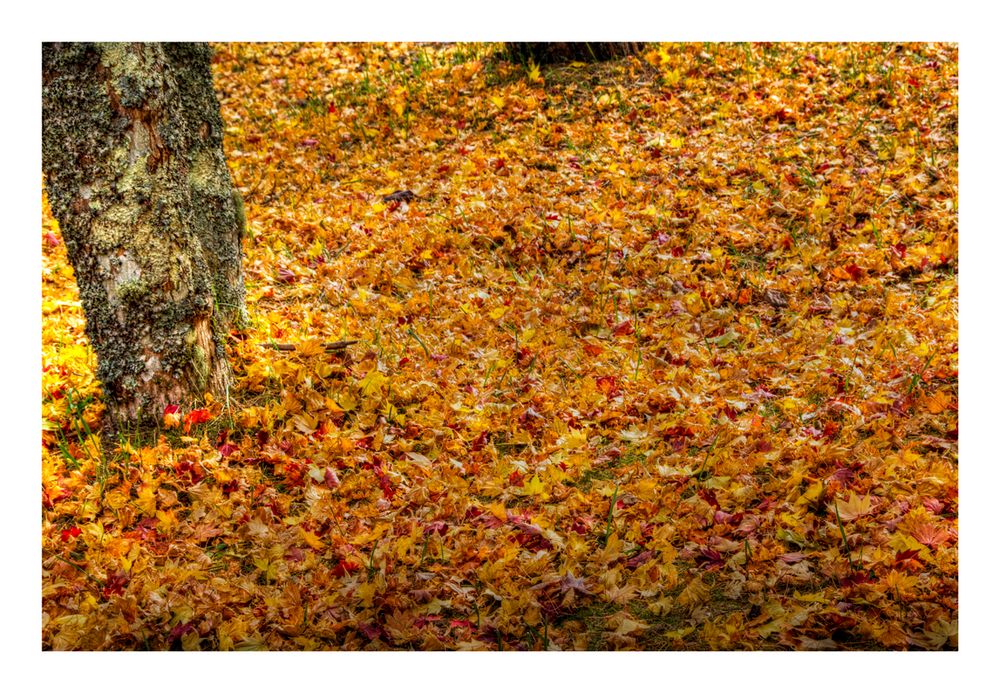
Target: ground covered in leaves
x,y
654,354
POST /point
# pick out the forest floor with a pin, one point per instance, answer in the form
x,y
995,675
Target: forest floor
x,y
660,354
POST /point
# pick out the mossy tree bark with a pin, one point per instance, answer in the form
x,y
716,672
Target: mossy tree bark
x,y
136,177
564,52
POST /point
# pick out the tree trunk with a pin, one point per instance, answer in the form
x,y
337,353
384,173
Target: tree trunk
x,y
136,177
582,51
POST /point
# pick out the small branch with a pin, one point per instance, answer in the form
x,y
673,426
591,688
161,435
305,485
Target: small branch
x,y
329,346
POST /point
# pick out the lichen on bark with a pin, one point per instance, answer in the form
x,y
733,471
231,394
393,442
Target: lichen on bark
x,y
136,176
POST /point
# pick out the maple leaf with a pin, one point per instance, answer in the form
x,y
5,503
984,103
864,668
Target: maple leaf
x,y
930,535
171,417
937,402
709,559
854,507
628,625
564,585
623,328
311,539
694,593
534,486
534,72
196,416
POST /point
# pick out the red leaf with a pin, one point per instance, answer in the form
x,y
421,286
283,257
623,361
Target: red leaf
x,y
480,441
857,577
196,416
608,384
70,533
708,495
287,276
180,630
115,584
387,489
678,432
929,535
624,328
345,567
639,559
709,559
908,558
437,527
582,524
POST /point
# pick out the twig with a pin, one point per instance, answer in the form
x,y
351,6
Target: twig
x,y
329,346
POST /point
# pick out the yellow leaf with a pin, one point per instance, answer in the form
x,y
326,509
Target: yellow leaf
x,y
695,593
311,539
854,507
268,568
938,402
534,486
115,499
316,249
305,423
167,519
573,440
310,347
372,382
693,303
366,593
813,495
628,626
534,72
392,413
344,401
661,606
147,500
